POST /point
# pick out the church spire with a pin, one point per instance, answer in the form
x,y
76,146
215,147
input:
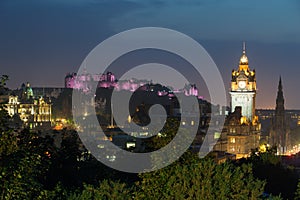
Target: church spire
x,y
280,98
280,84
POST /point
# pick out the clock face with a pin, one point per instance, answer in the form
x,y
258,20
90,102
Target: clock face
x,y
242,84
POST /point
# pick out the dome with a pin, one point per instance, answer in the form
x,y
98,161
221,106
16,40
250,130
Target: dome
x,y
244,59
28,90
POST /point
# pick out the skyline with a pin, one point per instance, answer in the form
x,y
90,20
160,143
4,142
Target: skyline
x,y
43,41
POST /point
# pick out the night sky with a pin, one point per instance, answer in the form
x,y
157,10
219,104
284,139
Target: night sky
x,y
42,40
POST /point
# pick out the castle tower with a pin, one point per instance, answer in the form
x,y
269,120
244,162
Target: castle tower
x,y
243,88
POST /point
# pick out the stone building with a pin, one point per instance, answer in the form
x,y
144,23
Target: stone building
x,y
35,112
241,132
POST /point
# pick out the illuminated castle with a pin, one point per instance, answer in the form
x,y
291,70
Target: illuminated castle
x,y
86,81
83,81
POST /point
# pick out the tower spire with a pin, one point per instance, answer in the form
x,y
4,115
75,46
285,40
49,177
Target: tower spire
x,y
244,47
280,132
280,98
280,84
244,59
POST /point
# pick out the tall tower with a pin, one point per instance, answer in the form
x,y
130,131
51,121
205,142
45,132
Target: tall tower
x,y
243,88
242,129
279,131
279,110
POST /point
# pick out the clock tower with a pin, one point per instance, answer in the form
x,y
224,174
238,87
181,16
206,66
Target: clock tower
x,y
243,89
242,128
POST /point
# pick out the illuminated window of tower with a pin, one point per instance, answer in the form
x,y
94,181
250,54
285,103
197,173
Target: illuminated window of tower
x,y
232,140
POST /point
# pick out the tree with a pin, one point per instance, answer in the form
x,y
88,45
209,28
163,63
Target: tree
x,y
106,190
8,139
166,135
65,164
267,166
3,80
194,178
22,160
297,193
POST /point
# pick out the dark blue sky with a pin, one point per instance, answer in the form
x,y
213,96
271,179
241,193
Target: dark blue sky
x,y
42,40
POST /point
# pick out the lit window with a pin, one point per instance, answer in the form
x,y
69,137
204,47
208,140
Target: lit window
x,y
232,140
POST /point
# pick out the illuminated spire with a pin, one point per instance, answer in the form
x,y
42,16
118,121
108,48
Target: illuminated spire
x,y
244,59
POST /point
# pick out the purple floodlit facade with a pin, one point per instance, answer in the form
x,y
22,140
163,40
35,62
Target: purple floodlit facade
x,y
85,81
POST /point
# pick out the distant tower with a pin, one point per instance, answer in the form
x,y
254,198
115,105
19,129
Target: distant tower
x,y
279,134
243,88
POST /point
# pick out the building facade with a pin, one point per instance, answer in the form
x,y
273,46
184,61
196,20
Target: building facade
x,y
34,112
